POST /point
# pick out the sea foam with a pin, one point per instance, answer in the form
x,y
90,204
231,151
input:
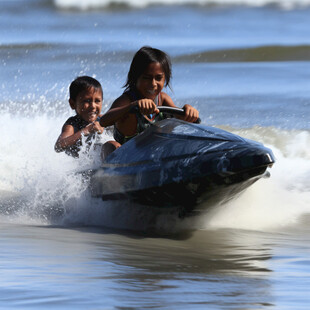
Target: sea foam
x,y
39,185
279,201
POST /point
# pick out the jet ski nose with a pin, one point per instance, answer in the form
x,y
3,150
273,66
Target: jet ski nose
x,y
271,160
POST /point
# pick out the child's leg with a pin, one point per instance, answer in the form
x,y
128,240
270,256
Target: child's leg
x,y
108,148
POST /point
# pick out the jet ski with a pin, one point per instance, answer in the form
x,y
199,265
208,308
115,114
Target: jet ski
x,y
181,165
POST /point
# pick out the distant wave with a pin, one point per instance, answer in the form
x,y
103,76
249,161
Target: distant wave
x,y
25,46
262,53
244,54
95,4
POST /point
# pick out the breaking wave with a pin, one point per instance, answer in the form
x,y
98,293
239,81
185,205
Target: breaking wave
x,y
97,4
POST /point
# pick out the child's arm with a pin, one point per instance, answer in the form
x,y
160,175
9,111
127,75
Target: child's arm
x,y
191,114
121,108
68,138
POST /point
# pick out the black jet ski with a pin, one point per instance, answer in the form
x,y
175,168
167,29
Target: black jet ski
x,y
176,164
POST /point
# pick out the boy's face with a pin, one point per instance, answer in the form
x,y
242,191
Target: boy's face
x,y
88,104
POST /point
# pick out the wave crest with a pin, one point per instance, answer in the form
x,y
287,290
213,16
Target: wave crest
x,y
97,4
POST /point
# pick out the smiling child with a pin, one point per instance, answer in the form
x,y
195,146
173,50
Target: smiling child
x,y
149,73
86,99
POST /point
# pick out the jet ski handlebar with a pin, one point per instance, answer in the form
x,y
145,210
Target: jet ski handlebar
x,y
165,110
174,111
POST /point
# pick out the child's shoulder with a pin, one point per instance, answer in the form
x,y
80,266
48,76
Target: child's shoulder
x,y
73,120
166,99
76,122
164,95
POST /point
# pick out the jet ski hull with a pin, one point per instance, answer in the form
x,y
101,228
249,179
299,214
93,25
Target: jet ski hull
x,y
178,164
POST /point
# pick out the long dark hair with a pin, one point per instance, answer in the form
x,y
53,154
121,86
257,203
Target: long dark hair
x,y
83,83
143,57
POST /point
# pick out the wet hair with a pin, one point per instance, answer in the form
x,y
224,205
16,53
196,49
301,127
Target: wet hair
x,y
143,57
82,83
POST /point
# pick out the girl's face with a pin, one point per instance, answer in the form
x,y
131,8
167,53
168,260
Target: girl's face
x,y
88,104
152,81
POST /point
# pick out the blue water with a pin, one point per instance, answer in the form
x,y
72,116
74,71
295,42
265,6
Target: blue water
x,y
244,67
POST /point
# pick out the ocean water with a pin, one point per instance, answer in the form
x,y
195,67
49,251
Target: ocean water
x,y
245,65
